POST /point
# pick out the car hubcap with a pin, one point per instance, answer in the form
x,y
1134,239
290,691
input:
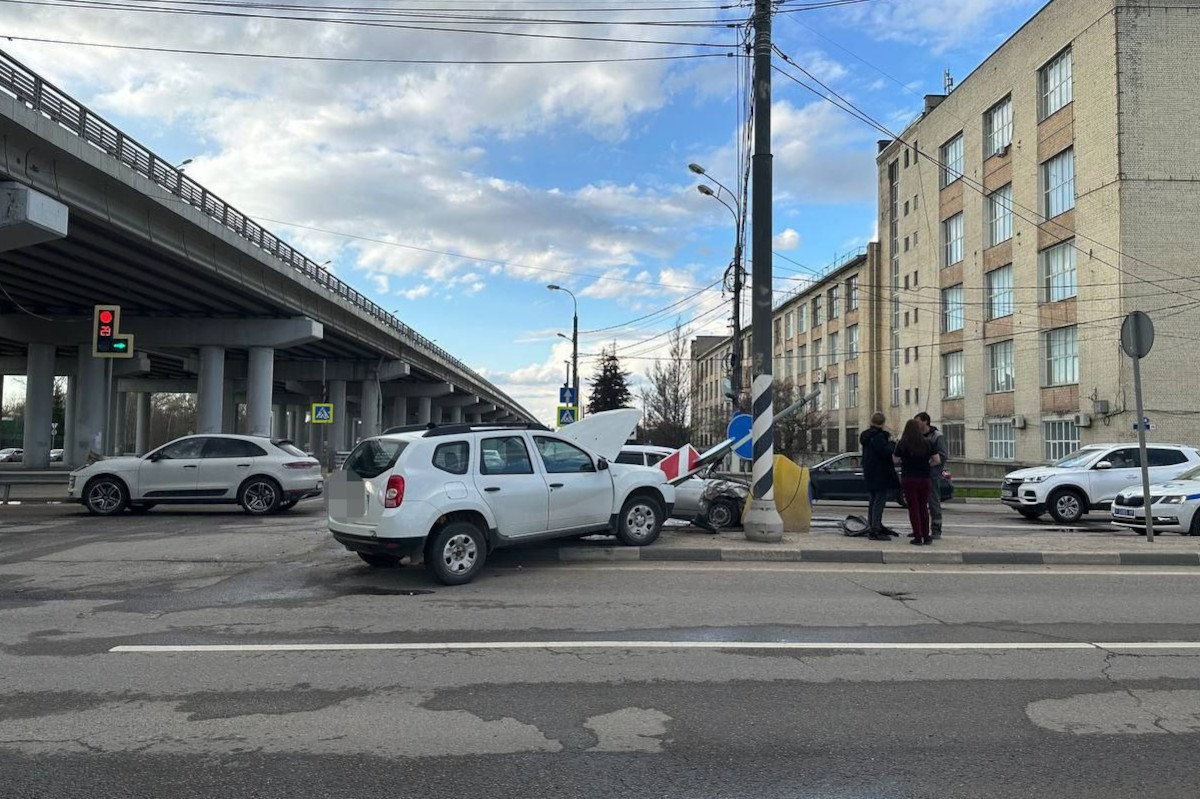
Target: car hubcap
x,y
640,521
105,497
259,497
1068,507
719,515
460,554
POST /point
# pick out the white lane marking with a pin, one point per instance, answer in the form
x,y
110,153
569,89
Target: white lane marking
x,y
811,567
737,645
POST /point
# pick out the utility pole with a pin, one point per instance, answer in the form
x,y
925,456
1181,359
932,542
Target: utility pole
x,y
762,521
575,361
735,382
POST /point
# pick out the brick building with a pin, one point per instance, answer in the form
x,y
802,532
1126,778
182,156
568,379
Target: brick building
x,y
1023,215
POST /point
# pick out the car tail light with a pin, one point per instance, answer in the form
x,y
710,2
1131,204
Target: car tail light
x,y
300,464
393,495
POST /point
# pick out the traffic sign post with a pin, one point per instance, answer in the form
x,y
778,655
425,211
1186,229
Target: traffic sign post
x,y
1137,337
567,414
566,395
107,340
322,413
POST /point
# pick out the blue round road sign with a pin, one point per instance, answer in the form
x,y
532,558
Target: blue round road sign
x,y
739,427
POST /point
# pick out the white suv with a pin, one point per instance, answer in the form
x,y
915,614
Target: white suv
x,y
1090,479
456,492
260,474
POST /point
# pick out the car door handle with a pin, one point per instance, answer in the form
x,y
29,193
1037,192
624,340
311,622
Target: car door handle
x,y
243,466
492,489
556,485
191,466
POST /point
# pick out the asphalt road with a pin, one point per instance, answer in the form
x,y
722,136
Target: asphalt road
x,y
629,680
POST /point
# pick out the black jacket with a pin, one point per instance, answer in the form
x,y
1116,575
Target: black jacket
x,y
878,470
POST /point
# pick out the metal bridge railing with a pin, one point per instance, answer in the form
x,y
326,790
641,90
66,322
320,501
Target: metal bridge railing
x,y
41,96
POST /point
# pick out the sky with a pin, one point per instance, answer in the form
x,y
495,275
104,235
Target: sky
x,y
455,192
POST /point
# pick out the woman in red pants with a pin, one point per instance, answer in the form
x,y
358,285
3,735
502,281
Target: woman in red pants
x,y
914,453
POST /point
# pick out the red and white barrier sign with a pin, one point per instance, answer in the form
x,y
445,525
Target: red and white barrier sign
x,y
681,462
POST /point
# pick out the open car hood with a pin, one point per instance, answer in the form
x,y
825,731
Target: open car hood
x,y
603,433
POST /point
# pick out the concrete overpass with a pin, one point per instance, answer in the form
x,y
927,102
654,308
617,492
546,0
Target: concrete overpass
x,y
217,305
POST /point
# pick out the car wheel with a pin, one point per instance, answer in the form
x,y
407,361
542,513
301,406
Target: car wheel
x,y
641,521
259,496
1194,529
723,513
456,554
105,496
1031,515
379,561
141,507
1066,506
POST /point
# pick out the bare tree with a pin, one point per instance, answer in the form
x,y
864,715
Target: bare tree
x,y
667,399
794,434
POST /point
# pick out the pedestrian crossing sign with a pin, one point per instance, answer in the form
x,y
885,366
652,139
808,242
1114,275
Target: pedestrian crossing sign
x,y
322,413
567,414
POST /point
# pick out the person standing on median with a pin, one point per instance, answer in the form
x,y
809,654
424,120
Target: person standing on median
x,y
914,453
878,472
937,440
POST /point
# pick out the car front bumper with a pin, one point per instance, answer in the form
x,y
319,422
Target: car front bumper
x,y
1175,520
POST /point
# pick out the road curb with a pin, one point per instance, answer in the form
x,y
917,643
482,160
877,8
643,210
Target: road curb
x,y
577,554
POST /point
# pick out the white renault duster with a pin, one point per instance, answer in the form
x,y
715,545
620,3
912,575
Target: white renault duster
x,y
456,492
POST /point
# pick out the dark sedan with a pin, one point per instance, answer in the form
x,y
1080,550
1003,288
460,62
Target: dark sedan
x,y
841,477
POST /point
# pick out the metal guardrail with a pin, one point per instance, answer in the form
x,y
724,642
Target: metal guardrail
x,y
44,97
8,479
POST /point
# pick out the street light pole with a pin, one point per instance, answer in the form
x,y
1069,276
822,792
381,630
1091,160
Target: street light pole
x,y
735,362
762,521
574,348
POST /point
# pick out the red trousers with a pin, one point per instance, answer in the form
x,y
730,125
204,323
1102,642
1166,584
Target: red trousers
x,y
916,494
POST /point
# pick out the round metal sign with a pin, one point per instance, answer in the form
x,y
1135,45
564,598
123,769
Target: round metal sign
x,y
1137,335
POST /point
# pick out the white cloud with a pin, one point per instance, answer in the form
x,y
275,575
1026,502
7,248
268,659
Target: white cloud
x,y
787,240
416,293
942,24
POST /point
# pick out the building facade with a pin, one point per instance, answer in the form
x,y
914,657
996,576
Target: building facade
x,y
829,325
1023,215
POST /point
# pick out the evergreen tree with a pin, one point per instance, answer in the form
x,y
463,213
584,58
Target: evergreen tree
x,y
610,386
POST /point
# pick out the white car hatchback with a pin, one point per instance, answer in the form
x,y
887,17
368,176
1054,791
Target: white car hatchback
x,y
260,474
455,493
710,501
1091,479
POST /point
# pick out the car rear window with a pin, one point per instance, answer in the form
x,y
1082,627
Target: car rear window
x,y
373,457
290,449
452,457
631,458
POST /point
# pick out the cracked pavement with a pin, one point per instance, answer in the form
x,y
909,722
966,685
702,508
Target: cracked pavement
x,y
79,721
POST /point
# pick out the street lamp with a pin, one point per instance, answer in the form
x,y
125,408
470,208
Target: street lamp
x,y
183,164
574,347
736,267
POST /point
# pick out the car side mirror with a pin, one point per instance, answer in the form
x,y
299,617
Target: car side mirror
x,y
1104,465
602,465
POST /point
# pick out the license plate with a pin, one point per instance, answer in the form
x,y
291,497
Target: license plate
x,y
1123,512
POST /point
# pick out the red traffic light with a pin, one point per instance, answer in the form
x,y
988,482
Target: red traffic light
x,y
106,317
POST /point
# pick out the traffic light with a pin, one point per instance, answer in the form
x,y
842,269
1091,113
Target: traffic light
x,y
107,341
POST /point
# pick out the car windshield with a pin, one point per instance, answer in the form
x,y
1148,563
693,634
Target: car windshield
x,y
1077,459
1190,474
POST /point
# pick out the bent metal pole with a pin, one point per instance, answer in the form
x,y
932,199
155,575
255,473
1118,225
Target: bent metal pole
x,y
762,522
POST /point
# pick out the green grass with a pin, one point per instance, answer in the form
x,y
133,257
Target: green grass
x,y
977,493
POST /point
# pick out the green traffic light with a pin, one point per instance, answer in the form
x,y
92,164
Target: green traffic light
x,y
119,345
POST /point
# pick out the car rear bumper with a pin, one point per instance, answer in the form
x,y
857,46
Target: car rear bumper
x,y
379,546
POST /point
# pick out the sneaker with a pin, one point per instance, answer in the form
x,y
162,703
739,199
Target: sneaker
x,y
916,542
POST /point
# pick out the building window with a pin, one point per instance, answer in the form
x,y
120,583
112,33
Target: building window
x,y
1058,272
1000,215
916,315
801,357
778,337
916,276
906,318
916,197
906,207
834,354
906,282
917,395
835,396
1058,180
831,439
997,127
818,311
816,354
907,355
1062,356
1001,441
952,240
1000,366
952,160
1062,438
852,294
851,342
801,318
788,364
956,440
787,327
852,439
834,298
908,396
906,161
906,243
852,391
953,375
952,309
1055,84
999,292
915,238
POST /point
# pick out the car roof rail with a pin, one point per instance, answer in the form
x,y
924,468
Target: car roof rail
x,y
473,427
408,428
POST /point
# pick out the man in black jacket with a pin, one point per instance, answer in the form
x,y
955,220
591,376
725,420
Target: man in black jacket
x,y
937,440
879,473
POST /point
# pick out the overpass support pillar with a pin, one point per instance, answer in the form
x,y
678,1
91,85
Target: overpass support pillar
x,y
456,414
121,403
370,408
259,386
279,421
398,414
425,410
210,393
341,415
39,405
141,434
69,417
92,388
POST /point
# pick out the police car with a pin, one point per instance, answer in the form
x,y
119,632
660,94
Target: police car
x,y
1173,504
